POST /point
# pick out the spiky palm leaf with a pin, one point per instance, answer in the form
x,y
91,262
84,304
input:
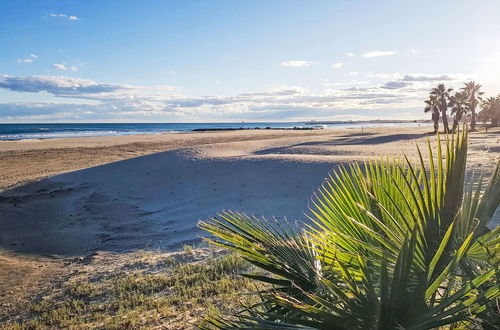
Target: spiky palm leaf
x,y
390,244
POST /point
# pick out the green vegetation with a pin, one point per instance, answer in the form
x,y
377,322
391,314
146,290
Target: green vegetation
x,y
432,106
441,95
158,291
472,95
391,244
491,111
462,104
188,249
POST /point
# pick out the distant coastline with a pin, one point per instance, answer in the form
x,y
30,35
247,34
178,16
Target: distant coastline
x,y
12,132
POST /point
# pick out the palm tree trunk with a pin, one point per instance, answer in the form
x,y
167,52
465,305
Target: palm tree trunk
x,y
455,125
435,119
444,117
456,120
473,111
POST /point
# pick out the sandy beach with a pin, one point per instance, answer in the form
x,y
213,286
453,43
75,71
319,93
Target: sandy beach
x,y
79,195
62,199
267,164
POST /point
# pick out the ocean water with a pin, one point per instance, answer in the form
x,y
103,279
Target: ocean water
x,y
47,131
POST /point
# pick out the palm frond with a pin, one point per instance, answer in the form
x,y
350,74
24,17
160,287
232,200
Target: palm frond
x,y
389,243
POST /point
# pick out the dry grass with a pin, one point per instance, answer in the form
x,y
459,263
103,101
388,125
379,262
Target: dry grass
x,y
146,290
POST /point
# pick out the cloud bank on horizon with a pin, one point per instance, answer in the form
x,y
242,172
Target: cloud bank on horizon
x,y
165,62
404,92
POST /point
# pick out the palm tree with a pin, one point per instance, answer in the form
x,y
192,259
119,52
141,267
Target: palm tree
x,y
491,110
458,104
390,244
495,113
432,107
442,94
473,93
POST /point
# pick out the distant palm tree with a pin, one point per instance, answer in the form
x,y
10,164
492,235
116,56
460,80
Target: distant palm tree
x,y
442,94
473,93
495,113
433,108
458,104
491,110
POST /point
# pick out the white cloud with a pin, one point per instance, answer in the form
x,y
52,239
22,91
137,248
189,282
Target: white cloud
x,y
350,54
61,67
417,77
91,100
337,65
395,85
56,85
384,75
64,16
351,83
29,59
297,64
430,77
377,53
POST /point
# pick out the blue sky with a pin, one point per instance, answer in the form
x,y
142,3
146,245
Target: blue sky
x,y
185,61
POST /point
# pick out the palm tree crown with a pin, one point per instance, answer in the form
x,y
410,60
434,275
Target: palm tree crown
x,y
442,94
458,105
473,94
432,106
491,110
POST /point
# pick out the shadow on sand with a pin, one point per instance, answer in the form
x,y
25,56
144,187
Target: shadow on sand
x,y
153,201
345,140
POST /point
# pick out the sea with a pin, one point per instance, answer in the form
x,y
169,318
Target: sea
x,y
10,132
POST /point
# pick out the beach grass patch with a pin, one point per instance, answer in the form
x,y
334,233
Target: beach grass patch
x,y
161,290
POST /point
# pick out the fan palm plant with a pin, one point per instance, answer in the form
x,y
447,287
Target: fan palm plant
x,y
473,92
432,106
442,94
458,104
390,244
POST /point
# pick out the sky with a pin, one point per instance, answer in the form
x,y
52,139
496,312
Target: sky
x,y
226,61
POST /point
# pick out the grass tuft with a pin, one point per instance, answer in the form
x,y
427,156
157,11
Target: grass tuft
x,y
156,291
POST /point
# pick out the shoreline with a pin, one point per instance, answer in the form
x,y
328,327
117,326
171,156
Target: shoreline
x,y
196,130
71,130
